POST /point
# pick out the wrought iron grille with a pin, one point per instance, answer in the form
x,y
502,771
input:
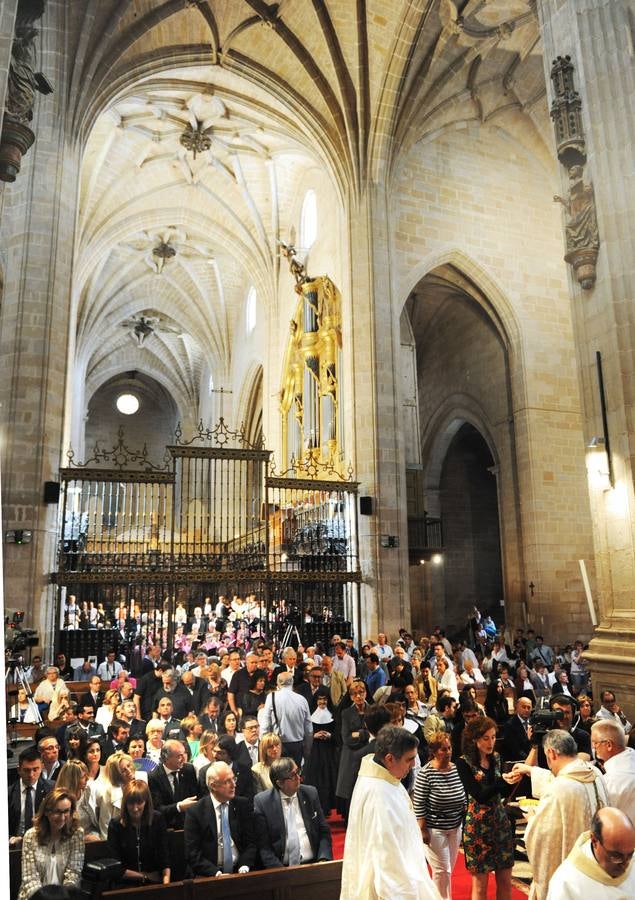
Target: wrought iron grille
x,y
209,522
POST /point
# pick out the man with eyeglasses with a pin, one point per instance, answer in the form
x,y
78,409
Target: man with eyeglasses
x,y
290,825
609,745
219,833
601,862
570,795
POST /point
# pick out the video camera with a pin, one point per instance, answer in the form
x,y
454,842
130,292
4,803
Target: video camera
x,y
17,638
542,721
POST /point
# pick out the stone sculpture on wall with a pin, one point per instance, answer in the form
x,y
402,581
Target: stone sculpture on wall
x,y
22,84
581,228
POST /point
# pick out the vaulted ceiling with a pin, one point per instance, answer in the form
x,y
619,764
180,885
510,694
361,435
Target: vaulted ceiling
x,y
264,92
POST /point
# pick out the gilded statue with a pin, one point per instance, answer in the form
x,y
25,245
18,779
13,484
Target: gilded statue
x,y
295,266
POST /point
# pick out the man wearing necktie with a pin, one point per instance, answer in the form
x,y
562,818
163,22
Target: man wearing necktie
x,y
290,825
249,747
25,795
173,784
219,835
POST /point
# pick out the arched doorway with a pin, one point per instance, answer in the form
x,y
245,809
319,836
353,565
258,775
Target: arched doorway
x,y
462,486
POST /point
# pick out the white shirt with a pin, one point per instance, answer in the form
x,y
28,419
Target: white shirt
x,y
291,806
219,835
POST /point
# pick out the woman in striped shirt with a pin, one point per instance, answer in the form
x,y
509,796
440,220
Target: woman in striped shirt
x,y
439,803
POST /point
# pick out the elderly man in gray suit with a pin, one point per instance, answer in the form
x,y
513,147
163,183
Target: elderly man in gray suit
x,y
290,825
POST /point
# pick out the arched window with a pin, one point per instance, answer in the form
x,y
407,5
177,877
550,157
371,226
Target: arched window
x,y
250,310
308,220
210,386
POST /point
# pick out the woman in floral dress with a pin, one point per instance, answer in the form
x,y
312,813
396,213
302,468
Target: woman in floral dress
x,y
488,840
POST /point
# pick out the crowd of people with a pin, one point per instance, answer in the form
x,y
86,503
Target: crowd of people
x,y
249,750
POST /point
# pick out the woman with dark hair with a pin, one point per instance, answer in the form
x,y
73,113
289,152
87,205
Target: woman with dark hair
x,y
488,840
75,742
496,703
135,747
251,701
228,724
53,849
139,839
92,760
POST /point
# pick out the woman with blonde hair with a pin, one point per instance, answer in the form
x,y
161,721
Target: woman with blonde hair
x,y
192,729
73,776
205,755
154,735
59,704
53,849
270,750
118,772
106,712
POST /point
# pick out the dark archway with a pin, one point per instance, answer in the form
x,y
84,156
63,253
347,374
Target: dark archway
x,y
469,511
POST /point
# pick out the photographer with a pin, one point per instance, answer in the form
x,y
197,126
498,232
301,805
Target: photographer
x,y
563,708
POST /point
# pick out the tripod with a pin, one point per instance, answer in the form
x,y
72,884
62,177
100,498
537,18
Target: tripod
x,y
291,631
19,677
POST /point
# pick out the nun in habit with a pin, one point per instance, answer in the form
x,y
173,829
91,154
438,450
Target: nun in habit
x,y
320,770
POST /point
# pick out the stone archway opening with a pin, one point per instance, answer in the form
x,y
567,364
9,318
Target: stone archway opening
x,y
468,506
460,453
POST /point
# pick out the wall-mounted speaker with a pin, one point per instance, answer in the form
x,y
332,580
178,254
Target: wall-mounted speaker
x,y
51,492
366,506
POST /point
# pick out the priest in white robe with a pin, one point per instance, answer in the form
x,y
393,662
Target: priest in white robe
x,y
384,855
570,795
601,863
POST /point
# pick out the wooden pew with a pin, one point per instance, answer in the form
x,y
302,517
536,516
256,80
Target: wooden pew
x,y
317,881
99,850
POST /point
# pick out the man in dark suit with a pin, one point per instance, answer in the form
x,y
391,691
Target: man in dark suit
x,y
94,696
25,794
289,664
517,732
290,825
117,735
173,784
86,719
219,835
248,750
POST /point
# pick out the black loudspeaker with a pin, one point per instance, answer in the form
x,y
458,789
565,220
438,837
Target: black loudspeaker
x,y
51,492
366,506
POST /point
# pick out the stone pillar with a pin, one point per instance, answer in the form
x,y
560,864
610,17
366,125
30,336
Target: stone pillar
x,y
597,35
37,234
373,409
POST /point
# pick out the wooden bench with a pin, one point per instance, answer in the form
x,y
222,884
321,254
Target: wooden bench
x,y
316,881
99,850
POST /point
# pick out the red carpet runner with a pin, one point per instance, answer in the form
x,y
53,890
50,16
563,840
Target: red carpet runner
x,y
461,882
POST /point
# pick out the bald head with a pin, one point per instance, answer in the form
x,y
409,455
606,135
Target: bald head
x,y
612,840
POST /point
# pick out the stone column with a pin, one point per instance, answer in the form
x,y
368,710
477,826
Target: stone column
x,y
37,234
597,35
372,413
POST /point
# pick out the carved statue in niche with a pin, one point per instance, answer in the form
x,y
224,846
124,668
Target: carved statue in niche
x,y
23,81
582,235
